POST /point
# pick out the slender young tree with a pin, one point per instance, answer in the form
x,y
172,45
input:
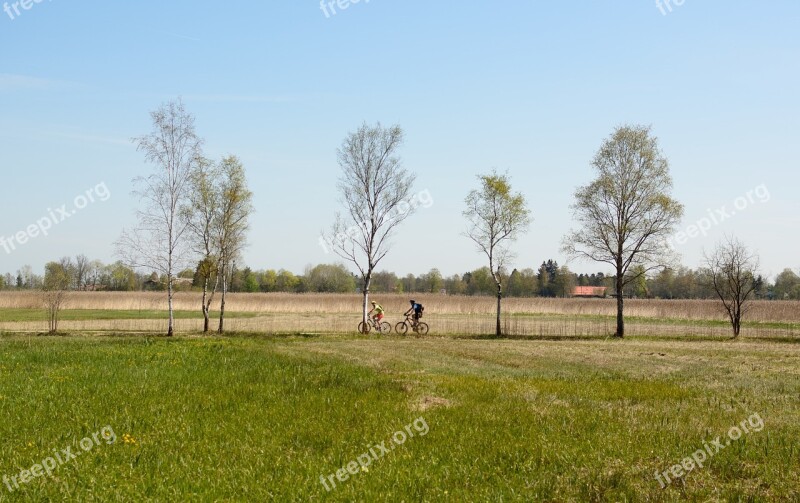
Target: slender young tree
x,y
235,208
55,288
375,190
627,212
202,214
733,274
157,243
496,217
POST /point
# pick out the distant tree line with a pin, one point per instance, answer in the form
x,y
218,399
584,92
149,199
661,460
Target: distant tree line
x,y
548,280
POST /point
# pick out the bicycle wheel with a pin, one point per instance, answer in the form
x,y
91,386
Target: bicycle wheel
x,y
422,328
386,328
401,328
363,328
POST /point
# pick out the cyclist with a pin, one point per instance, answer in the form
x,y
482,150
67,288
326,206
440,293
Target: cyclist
x,y
416,309
378,312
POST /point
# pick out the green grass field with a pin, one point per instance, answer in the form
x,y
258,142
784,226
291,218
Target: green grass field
x,y
263,418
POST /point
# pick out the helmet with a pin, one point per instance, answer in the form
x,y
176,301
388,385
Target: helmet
x,y
373,302
413,301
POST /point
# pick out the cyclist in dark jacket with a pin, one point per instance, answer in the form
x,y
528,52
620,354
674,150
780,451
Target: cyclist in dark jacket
x,y
416,309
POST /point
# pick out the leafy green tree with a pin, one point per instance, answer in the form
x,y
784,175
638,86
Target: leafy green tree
x,y
202,214
637,284
564,282
479,282
455,285
329,278
250,280
662,284
384,282
626,214
269,281
515,285
121,278
787,285
496,216
232,222
529,282
433,281
57,281
287,281
685,284
543,281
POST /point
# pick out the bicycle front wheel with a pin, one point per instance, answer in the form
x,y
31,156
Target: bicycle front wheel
x,y
401,328
363,328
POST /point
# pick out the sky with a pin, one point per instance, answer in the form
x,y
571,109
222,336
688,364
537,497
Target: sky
x,y
531,88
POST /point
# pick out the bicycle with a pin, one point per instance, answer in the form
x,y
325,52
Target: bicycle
x,y
418,327
382,328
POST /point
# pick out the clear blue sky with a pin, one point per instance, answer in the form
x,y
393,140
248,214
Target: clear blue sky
x,y
528,87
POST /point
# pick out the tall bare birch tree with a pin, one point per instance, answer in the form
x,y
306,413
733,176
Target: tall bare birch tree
x,y
157,242
374,190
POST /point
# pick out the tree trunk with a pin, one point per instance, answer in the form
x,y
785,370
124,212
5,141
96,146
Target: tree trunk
x,y
205,306
498,331
222,301
620,319
365,300
170,291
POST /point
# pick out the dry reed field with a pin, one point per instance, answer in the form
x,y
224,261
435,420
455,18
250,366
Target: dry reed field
x,y
348,304
325,313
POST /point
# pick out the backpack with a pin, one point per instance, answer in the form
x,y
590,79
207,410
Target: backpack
x,y
421,309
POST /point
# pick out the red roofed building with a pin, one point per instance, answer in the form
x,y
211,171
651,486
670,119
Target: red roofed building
x,y
589,291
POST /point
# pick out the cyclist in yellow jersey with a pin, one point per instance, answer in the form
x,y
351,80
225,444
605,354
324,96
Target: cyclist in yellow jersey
x,y
378,311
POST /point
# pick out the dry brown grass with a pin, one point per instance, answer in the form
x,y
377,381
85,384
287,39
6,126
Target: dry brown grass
x,y
348,304
321,313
